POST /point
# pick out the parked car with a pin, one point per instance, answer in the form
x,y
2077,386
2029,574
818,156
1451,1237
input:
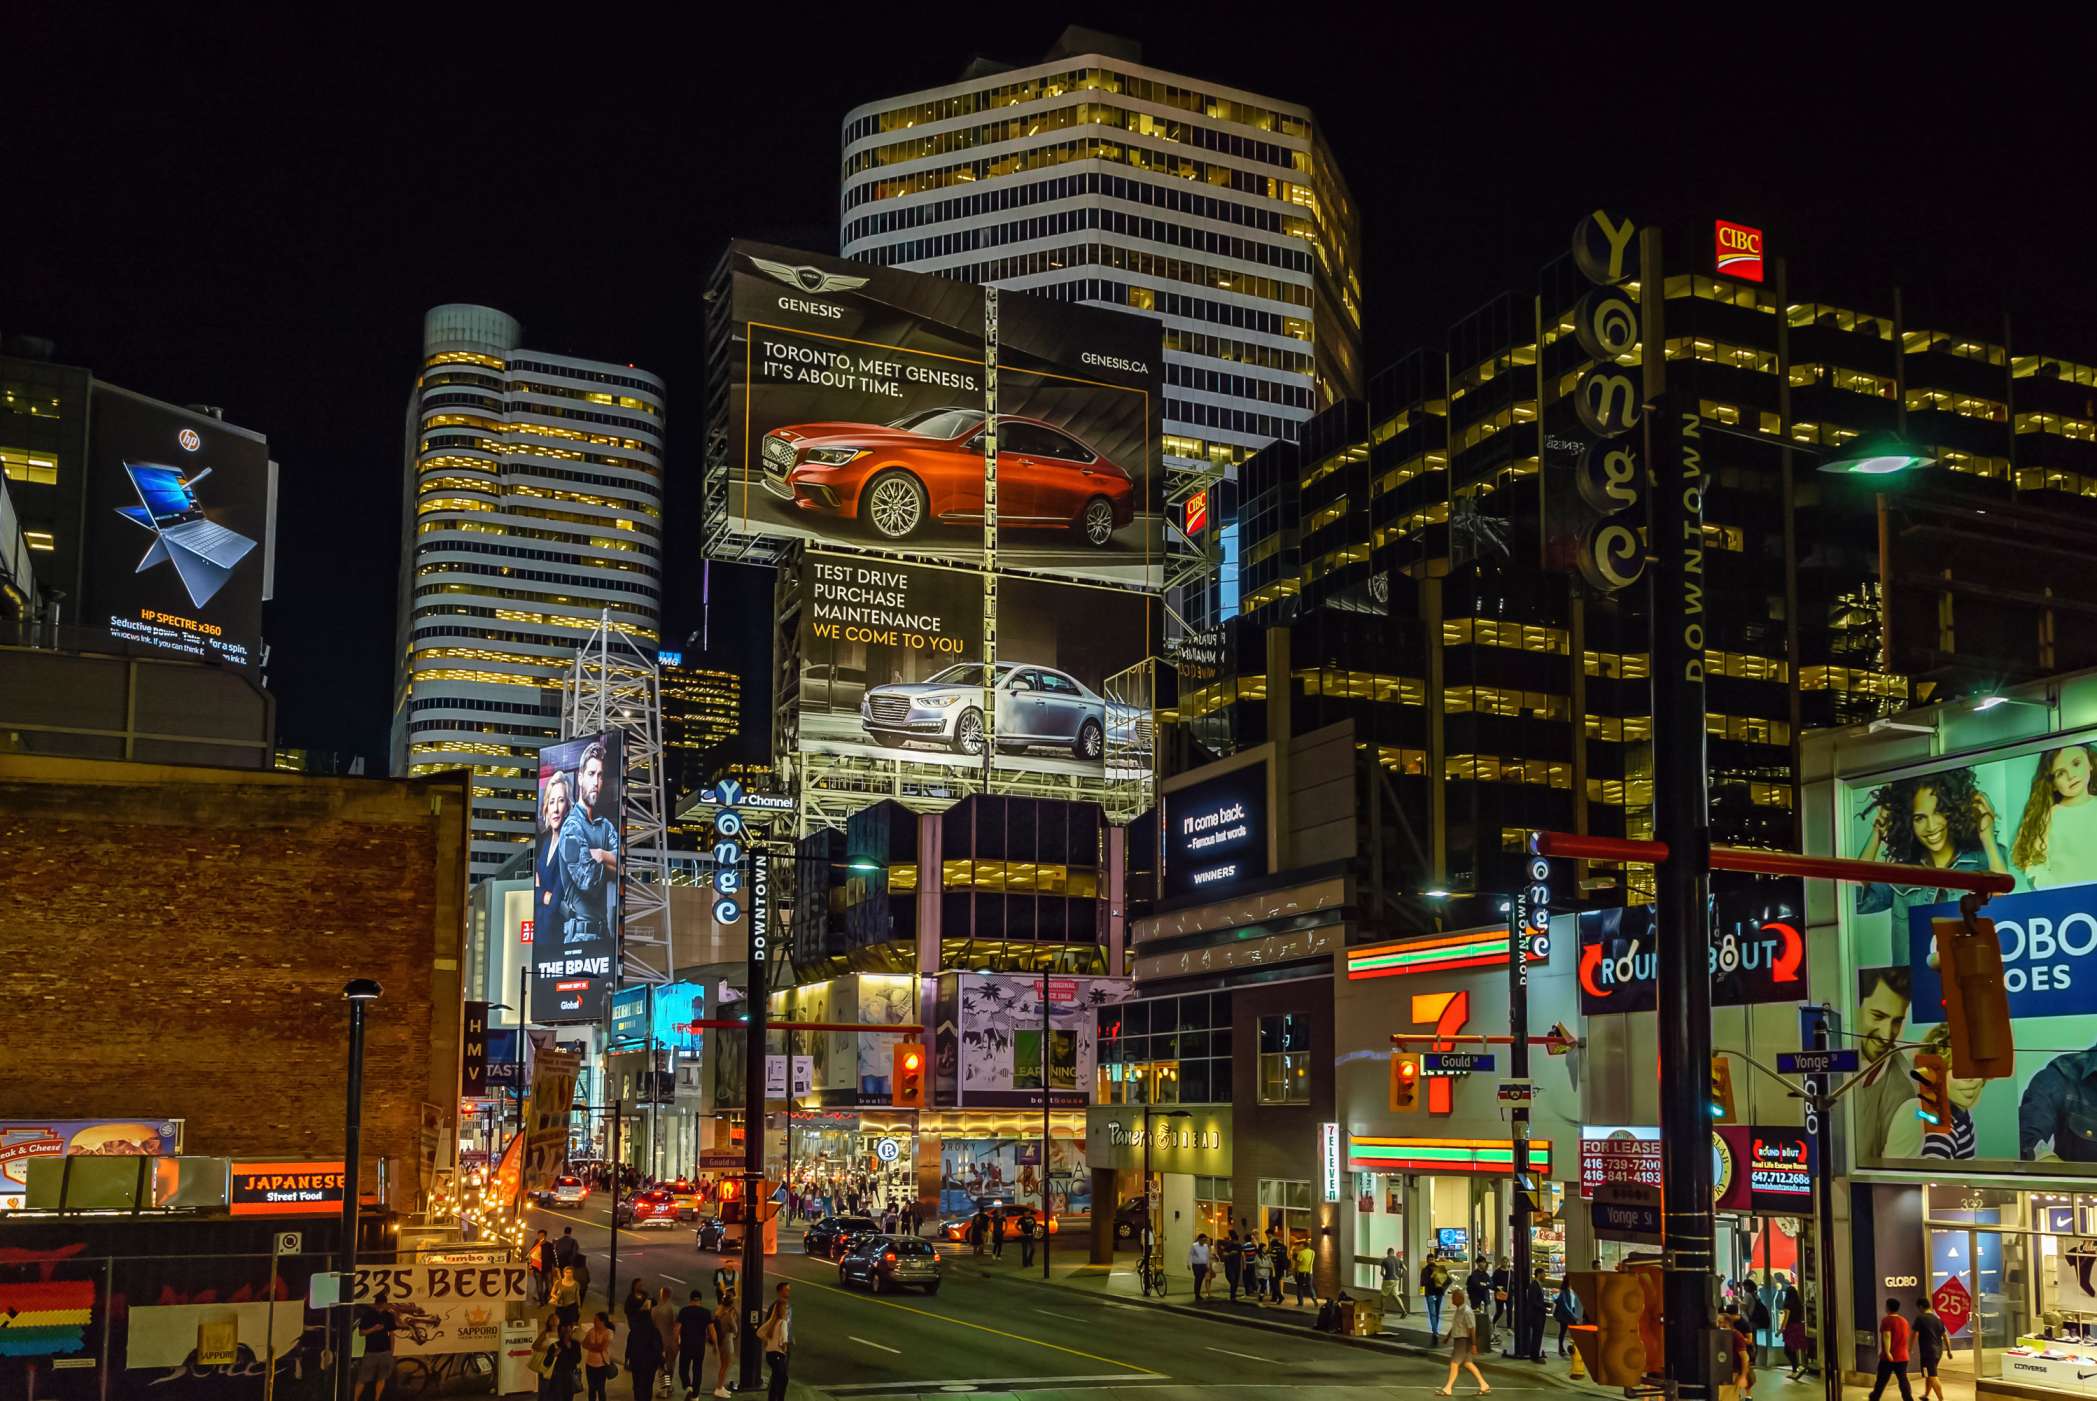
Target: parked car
x,y
654,1207
567,1190
895,478
1129,1218
826,1235
884,1263
1019,1219
1037,706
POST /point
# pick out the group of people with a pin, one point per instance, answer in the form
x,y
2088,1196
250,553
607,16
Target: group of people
x,y
1254,1263
987,1228
657,1331
813,1196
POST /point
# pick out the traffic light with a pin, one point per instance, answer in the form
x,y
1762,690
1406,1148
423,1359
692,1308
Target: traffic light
x,y
1406,1097
908,1080
1611,1341
1976,1002
1722,1088
731,1189
1933,1092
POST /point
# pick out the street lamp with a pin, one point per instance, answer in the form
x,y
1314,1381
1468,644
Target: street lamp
x,y
1151,1233
1872,457
358,992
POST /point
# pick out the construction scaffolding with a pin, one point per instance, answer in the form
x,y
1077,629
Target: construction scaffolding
x,y
614,686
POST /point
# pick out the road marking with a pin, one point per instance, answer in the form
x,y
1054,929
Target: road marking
x,y
1249,1357
1004,1382
674,1279
871,1343
985,1328
1053,1314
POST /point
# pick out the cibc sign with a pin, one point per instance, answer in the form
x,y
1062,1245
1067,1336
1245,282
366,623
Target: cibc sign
x,y
1738,250
1608,399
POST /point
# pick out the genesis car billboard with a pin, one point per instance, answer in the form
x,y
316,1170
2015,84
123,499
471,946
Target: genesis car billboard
x,y
892,666
178,528
855,419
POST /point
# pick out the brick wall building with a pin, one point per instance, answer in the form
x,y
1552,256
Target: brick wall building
x,y
175,941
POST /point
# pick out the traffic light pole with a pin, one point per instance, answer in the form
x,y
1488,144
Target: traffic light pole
x,y
1820,1121
757,975
1518,924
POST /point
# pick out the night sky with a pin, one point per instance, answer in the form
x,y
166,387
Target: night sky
x,y
256,213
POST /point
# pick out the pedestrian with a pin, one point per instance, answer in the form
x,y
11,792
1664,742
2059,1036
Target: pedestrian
x,y
1233,1261
1759,1322
1278,1261
1255,1271
563,1364
1932,1341
597,1355
1566,1311
997,1233
1478,1288
566,1248
637,1306
1198,1263
542,1356
977,1225
1503,1292
664,1316
1029,1228
1392,1269
1434,1282
567,1299
1463,1341
726,1278
724,1333
693,1322
888,1219
1304,1262
1893,1353
1791,1326
1529,1342
540,1258
776,1336
644,1357
375,1367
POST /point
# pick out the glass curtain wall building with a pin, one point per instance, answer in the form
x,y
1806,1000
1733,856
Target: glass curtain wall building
x,y
532,508
1092,178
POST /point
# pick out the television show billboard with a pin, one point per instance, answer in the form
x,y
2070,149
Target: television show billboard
x,y
891,665
855,419
575,878
2029,813
179,506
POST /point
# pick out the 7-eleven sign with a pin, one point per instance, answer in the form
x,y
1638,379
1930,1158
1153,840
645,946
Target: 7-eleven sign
x,y
1446,1012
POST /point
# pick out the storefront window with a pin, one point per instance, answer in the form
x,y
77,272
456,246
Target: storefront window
x,y
1212,1206
1286,1206
2011,1275
1285,1058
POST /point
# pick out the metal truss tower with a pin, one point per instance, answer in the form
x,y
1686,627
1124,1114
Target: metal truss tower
x,y
614,686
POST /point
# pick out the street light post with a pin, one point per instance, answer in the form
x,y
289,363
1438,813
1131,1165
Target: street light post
x,y
358,992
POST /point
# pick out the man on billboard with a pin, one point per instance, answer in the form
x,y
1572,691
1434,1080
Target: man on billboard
x,y
589,856
1882,1011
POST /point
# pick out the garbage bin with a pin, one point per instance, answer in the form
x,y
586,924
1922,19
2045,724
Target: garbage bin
x,y
513,1369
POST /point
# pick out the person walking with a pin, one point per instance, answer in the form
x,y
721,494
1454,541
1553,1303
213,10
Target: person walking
x,y
1030,1227
637,1307
540,1258
1529,1341
542,1356
997,1233
1503,1292
1392,1270
1434,1282
1278,1264
567,1298
978,1226
1791,1321
597,1356
566,1248
727,1275
664,1316
1932,1341
1233,1262
1256,1268
1462,1336
563,1365
1198,1264
725,1334
1478,1292
693,1322
1894,1334
776,1336
1567,1312
1305,1261
644,1356
1743,1353
375,1368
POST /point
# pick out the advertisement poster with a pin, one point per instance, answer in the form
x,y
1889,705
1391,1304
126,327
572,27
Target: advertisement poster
x,y
165,1335
998,1038
1758,948
1009,1169
546,1117
855,419
23,1140
1618,1153
575,880
2029,814
1216,833
891,666
178,514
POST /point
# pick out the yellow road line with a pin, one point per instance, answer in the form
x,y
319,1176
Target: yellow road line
x,y
984,1328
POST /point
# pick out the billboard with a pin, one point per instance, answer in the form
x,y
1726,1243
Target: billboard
x,y
891,666
24,1140
854,418
179,510
987,1046
1215,833
2027,811
1758,948
575,878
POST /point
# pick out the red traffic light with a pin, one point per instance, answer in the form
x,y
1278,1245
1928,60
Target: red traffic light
x,y
911,1060
1408,1071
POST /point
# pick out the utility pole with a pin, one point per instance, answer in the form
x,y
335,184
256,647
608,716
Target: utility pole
x,y
1681,819
757,970
1532,899
1822,1024
1048,1201
611,1283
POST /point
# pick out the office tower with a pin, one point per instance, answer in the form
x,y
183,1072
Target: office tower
x,y
1092,178
532,508
702,711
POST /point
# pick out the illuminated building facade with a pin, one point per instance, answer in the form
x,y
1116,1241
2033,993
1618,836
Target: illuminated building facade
x,y
702,711
532,507
1414,550
1092,178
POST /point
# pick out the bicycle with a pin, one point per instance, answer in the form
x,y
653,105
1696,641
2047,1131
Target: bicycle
x,y
1152,1276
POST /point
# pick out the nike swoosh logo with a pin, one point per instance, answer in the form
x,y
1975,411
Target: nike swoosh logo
x,y
2084,1376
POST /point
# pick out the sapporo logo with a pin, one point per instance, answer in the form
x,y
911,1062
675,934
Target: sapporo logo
x,y
805,278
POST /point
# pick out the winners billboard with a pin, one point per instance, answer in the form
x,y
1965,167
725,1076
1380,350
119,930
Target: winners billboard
x,y
854,418
179,506
891,665
575,878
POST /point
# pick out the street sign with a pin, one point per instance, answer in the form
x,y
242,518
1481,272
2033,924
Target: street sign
x,y
1452,1062
289,1242
1516,1091
1817,1062
888,1149
1627,1211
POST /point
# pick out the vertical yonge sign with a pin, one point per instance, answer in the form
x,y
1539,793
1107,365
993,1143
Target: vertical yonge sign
x,y
1608,399
728,851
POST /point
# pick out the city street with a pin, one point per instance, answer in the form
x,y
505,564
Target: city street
x,y
995,1329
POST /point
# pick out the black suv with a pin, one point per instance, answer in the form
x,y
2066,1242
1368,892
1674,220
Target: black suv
x,y
1128,1219
827,1236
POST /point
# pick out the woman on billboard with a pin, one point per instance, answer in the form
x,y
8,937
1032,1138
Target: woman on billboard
x,y
1939,819
2057,837
553,810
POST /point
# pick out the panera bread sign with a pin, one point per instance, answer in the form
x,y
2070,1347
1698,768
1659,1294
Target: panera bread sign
x,y
286,1189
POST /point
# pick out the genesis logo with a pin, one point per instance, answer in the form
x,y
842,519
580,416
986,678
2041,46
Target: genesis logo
x,y
1115,362
807,279
189,440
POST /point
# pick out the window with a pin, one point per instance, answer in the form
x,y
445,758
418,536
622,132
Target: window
x,y
1286,1206
1212,1206
1285,1058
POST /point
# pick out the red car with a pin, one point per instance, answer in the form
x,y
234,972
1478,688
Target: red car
x,y
654,1207
928,466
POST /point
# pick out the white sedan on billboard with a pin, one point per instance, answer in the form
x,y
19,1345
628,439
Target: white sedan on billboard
x,y
1037,707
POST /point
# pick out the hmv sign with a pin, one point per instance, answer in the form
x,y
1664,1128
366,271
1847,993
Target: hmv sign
x,y
1757,954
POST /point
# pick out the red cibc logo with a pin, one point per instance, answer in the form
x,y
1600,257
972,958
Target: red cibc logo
x,y
1197,512
1739,250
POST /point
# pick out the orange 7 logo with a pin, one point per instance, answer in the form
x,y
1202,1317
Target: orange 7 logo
x,y
1446,1012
